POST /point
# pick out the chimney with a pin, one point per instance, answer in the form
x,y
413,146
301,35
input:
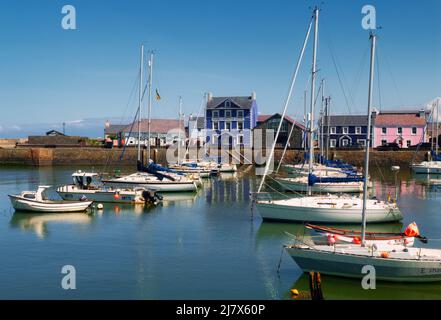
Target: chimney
x,y
422,113
253,95
209,96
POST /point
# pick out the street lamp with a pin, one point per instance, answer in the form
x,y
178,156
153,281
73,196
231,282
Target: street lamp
x,y
395,170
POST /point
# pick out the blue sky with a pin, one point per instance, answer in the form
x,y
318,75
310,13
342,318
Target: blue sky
x,y
49,75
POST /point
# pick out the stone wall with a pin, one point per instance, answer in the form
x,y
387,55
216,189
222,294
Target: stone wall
x,y
102,156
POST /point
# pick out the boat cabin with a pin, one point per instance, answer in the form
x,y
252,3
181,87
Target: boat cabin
x,y
86,180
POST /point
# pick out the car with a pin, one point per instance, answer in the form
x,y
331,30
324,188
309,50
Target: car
x,y
392,146
421,146
356,146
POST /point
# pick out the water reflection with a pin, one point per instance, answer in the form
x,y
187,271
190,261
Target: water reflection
x,y
39,223
336,288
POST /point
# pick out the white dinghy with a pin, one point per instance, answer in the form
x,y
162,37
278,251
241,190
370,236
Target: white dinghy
x,y
36,201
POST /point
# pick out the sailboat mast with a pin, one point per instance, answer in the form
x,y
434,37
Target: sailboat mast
x,y
305,122
368,137
321,119
150,101
313,76
179,134
437,124
140,101
328,123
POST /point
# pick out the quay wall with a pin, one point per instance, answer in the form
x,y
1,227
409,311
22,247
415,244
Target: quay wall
x,y
102,156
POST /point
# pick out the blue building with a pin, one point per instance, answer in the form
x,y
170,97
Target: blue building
x,y
230,120
346,131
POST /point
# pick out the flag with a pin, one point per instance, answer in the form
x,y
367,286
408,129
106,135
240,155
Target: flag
x,y
158,97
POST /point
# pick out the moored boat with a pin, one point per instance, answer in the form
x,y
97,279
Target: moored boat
x,y
36,201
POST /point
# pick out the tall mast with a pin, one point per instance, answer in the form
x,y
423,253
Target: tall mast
x,y
179,134
150,100
321,118
437,127
313,76
328,123
373,38
305,122
140,101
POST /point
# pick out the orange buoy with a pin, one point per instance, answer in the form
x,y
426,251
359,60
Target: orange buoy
x,y
356,240
412,230
384,255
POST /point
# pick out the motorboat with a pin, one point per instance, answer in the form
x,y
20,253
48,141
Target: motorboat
x,y
427,167
37,201
89,185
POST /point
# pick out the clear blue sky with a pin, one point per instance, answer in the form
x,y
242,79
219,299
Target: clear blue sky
x,y
228,47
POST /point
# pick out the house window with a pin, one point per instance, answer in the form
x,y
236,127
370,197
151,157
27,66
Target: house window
x,y
357,130
383,130
332,143
361,142
215,114
400,130
227,113
228,104
239,125
344,142
408,143
215,125
227,125
345,130
240,113
383,142
414,130
333,130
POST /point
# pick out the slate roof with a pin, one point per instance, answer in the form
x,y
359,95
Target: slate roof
x,y
346,120
242,102
156,125
265,117
114,128
199,124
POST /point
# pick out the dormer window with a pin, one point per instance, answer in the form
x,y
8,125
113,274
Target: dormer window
x,y
228,104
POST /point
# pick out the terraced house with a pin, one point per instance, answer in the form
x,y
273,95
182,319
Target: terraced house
x,y
230,120
346,131
406,128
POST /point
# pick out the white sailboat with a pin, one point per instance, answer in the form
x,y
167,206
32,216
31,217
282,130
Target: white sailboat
x,y
322,208
391,262
163,182
432,166
300,184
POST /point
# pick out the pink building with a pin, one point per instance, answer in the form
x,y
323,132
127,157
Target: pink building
x,y
407,128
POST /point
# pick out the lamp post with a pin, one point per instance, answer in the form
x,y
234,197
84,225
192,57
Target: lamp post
x,y
395,170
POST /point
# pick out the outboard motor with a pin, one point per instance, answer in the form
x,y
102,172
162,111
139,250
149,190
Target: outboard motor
x,y
151,197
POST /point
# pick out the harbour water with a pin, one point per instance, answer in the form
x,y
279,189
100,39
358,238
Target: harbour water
x,y
204,245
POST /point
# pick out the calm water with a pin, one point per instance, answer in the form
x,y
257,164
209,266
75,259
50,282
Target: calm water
x,y
193,246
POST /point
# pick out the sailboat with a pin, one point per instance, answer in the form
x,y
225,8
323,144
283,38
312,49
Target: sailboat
x,y
394,262
433,165
322,208
149,177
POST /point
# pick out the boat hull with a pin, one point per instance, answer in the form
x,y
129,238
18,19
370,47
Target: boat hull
x,y
101,196
428,168
154,186
343,265
22,204
270,211
346,187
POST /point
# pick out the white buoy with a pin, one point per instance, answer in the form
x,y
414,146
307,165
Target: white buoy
x,y
99,206
395,168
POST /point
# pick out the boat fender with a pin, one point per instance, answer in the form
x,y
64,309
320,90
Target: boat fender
x,y
384,255
331,240
356,240
99,206
116,195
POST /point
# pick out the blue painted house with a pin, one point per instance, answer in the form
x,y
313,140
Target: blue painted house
x,y
230,120
346,131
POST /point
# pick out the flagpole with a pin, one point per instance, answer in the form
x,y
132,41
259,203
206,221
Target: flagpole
x,y
150,103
